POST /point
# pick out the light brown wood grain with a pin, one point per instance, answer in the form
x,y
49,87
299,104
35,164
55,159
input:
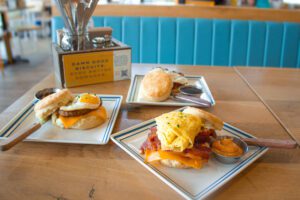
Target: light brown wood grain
x,y
190,11
73,171
280,90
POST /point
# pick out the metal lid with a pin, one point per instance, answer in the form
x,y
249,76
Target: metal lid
x,y
98,40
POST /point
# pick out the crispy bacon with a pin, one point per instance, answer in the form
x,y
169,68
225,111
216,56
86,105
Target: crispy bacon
x,y
204,137
200,148
153,129
152,143
202,152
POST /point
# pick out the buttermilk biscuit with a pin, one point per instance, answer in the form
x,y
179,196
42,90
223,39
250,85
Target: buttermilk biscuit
x,y
156,86
173,164
48,105
210,120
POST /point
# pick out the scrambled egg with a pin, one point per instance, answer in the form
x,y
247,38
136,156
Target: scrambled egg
x,y
177,131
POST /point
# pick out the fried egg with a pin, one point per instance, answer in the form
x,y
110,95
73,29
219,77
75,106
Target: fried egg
x,y
83,101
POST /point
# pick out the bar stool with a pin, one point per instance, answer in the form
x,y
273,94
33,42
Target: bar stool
x,y
1,65
5,37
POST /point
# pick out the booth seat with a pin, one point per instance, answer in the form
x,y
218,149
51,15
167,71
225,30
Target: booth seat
x,y
196,41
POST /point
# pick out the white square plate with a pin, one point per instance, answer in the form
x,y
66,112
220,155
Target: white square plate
x,y
51,133
133,96
190,183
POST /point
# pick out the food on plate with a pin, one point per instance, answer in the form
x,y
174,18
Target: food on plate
x,y
178,80
51,103
158,84
181,139
84,112
227,147
211,121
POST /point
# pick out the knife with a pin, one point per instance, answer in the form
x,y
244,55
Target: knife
x,y
192,99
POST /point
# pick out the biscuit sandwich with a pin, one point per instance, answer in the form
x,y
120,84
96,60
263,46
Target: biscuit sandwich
x,y
84,112
181,139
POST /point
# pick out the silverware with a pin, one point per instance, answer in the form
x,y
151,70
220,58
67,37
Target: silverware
x,y
191,90
192,99
272,143
245,142
191,93
76,15
22,134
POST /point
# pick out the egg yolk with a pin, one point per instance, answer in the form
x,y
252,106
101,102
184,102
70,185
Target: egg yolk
x,y
88,98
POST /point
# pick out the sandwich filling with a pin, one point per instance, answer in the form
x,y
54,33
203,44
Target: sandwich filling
x,y
68,122
178,136
85,111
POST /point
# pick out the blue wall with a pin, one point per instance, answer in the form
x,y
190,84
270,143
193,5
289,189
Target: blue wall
x,y
204,41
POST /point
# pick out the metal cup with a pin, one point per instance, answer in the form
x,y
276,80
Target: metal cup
x,y
231,159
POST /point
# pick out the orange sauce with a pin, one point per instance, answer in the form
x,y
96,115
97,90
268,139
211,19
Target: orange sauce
x,y
227,147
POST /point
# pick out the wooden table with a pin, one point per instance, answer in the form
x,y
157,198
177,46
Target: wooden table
x,y
66,171
280,90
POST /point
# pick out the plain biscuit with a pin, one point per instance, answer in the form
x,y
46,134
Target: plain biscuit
x,y
173,164
210,120
156,86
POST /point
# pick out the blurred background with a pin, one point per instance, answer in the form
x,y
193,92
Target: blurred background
x,y
27,23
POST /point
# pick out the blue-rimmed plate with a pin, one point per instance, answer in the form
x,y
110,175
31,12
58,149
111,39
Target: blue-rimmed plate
x,y
190,183
51,133
134,97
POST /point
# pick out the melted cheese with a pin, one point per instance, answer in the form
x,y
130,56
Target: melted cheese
x,y
151,156
70,121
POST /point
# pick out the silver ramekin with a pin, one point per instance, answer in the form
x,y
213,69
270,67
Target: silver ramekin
x,y
231,159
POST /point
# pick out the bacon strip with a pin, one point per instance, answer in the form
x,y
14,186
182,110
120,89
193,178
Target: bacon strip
x,y
152,143
202,152
200,148
204,137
